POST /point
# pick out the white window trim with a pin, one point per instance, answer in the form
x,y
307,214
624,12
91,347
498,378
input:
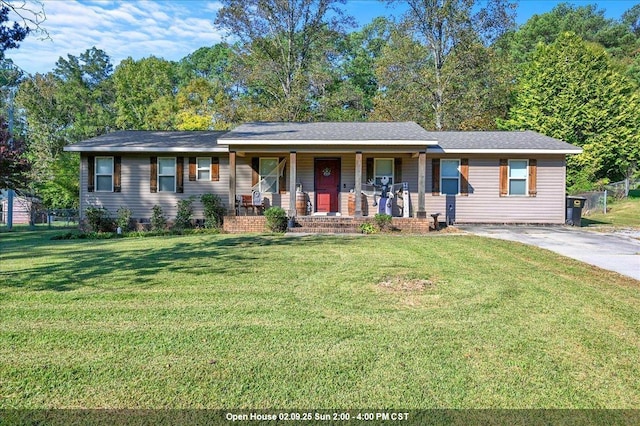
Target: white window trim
x,y
104,174
441,178
375,168
199,169
261,176
526,178
175,167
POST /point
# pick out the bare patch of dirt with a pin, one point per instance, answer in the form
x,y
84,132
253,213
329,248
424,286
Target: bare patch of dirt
x,y
402,283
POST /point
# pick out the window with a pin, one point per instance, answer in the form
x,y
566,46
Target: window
x,y
104,174
518,177
383,167
167,174
450,177
204,168
268,175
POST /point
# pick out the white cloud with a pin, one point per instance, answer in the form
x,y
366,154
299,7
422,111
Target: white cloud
x,y
137,29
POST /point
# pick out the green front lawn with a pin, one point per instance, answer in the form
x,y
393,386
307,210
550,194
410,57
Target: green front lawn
x,y
222,321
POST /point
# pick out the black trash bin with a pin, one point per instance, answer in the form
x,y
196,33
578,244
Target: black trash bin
x,y
574,210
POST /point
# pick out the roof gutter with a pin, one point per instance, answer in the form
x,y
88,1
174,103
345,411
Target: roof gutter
x,y
439,150
138,149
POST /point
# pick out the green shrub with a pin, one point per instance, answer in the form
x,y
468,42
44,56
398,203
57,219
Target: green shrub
x,y
124,218
276,219
185,214
213,211
158,221
383,221
98,219
368,228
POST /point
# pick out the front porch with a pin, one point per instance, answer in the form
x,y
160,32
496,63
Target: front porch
x,y
328,176
317,183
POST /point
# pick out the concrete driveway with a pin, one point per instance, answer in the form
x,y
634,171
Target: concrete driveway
x,y
616,251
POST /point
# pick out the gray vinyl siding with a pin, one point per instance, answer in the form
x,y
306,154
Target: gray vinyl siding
x,y
136,194
484,203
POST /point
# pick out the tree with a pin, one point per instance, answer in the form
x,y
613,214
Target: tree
x,y
446,28
481,91
210,63
349,95
14,166
573,91
10,35
86,93
588,22
631,18
71,103
280,43
403,74
46,122
203,105
145,94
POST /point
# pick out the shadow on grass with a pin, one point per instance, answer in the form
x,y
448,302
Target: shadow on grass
x,y
70,265
589,222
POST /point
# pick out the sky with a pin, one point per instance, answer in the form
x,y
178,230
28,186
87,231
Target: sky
x,y
172,29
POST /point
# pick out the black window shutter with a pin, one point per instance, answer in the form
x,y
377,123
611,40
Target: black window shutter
x,y
369,170
397,170
255,171
435,176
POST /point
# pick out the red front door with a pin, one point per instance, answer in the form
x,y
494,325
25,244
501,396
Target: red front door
x,y
327,177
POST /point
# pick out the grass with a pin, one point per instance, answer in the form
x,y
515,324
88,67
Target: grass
x,y
622,213
261,321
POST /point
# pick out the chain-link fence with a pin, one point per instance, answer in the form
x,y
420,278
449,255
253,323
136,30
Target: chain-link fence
x,y
620,190
595,202
41,218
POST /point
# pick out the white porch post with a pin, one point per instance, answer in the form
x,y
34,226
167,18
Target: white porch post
x,y
422,183
358,185
231,210
292,183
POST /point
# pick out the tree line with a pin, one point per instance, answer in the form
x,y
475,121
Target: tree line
x,y
570,73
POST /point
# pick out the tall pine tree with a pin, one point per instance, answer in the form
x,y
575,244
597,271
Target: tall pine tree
x,y
571,90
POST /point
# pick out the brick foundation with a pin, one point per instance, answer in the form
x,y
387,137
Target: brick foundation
x,y
241,224
412,225
329,225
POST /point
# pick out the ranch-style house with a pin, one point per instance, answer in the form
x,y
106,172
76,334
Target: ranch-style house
x,y
319,170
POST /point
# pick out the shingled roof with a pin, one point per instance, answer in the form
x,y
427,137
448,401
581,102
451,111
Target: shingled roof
x,y
151,141
327,134
498,142
331,132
